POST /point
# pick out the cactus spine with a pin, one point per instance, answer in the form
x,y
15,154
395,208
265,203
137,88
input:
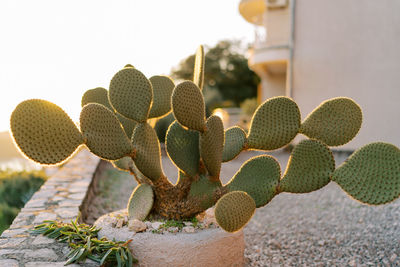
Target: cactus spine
x,y
114,126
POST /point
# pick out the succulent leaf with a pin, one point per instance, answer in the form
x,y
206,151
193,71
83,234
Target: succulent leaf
x,y
203,191
183,148
148,154
188,106
162,91
235,140
212,145
141,202
275,123
335,122
123,164
198,75
97,95
258,177
234,210
309,168
44,132
371,174
131,94
103,133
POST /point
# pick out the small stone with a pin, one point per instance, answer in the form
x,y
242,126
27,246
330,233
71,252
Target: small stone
x,y
189,229
43,253
40,239
136,225
12,242
321,242
156,225
353,263
149,225
393,257
8,251
44,216
173,229
67,212
274,244
114,221
9,263
13,232
120,223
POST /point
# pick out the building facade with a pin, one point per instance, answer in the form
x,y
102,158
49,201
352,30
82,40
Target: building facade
x,y
313,50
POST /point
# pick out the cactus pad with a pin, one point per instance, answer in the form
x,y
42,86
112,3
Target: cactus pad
x,y
203,191
97,95
140,202
162,90
183,148
234,210
309,168
103,133
188,106
275,123
131,94
129,66
198,75
212,145
148,154
258,177
235,140
123,164
128,124
335,122
44,132
371,174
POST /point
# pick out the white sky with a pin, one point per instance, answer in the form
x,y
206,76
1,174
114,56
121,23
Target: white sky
x,y
56,50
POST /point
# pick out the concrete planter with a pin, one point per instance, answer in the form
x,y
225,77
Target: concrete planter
x,y
208,247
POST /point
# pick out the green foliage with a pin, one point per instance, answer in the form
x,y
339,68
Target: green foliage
x,y
148,153
16,188
275,123
198,145
44,132
188,106
212,145
371,174
140,202
183,148
226,70
234,210
235,141
162,125
310,166
258,177
131,94
335,122
85,244
103,133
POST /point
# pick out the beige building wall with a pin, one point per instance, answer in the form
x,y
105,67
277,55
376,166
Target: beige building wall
x,y
350,48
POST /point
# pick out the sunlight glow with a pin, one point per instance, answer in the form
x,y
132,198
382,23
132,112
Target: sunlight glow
x,y
56,50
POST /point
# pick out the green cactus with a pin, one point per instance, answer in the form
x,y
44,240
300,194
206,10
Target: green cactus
x,y
113,125
141,202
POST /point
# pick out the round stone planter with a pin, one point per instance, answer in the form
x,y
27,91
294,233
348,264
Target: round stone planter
x,y
207,247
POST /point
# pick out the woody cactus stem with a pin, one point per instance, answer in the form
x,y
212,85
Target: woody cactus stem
x,y
114,126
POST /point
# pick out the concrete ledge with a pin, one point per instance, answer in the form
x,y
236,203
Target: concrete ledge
x,y
62,197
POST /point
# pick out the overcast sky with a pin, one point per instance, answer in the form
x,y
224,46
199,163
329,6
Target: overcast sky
x,y
56,50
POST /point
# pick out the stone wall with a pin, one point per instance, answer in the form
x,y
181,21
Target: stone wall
x,y
62,197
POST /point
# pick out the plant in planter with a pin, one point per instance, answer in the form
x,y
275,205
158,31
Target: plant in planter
x,y
114,126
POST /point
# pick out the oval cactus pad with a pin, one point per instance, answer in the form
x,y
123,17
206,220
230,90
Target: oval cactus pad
x,y
131,94
103,133
188,106
234,210
371,174
44,132
140,202
162,90
275,123
198,74
335,122
235,140
310,167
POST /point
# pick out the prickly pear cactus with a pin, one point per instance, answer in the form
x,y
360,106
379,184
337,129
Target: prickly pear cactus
x,y
114,126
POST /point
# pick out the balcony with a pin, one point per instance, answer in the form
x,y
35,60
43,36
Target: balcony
x,y
252,11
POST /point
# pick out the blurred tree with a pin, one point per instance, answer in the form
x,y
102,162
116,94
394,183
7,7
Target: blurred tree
x,y
226,71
